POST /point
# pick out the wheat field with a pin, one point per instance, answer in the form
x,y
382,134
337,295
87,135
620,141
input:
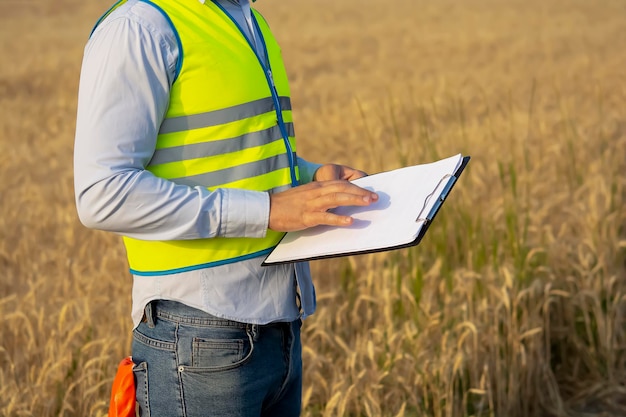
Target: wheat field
x,y
513,305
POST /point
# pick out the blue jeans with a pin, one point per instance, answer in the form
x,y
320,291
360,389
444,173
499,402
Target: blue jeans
x,y
189,363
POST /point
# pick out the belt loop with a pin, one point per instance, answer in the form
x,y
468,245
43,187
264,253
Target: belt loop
x,y
254,330
149,314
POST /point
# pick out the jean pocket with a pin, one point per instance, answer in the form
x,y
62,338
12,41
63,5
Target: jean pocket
x,y
219,354
140,371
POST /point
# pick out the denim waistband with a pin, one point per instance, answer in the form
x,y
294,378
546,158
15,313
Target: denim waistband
x,y
176,312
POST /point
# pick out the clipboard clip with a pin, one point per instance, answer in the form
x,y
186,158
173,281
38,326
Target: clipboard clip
x,y
442,197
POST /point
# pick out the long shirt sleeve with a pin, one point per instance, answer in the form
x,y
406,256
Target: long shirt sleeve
x,y
128,67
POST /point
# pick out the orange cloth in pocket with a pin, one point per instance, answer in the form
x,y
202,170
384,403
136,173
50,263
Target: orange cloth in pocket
x,y
123,392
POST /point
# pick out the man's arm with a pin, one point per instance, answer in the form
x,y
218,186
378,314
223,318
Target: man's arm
x,y
308,205
123,95
125,80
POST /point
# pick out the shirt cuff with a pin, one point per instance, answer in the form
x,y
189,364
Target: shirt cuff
x,y
245,213
307,170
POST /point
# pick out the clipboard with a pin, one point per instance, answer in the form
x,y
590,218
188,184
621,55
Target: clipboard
x,y
451,181
400,219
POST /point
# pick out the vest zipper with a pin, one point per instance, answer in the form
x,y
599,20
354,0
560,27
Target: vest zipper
x,y
267,70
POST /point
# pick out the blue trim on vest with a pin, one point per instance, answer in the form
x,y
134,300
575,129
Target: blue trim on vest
x,y
202,266
270,82
179,62
279,110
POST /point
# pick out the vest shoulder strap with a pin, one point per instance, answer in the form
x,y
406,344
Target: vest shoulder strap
x,y
179,62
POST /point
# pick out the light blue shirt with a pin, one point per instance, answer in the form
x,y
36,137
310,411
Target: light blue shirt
x,y
128,67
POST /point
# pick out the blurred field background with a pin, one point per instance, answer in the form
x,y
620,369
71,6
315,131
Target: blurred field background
x,y
513,305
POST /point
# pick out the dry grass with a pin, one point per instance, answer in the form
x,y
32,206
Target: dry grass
x,y
514,304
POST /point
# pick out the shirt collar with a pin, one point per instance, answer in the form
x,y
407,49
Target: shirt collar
x,y
237,2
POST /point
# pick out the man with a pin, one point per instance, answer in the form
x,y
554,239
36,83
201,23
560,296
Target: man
x,y
185,146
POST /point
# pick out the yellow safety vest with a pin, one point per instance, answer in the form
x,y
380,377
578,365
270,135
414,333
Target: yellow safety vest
x,y
229,125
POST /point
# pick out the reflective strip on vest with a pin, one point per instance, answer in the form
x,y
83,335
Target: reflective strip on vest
x,y
217,117
240,172
222,129
199,150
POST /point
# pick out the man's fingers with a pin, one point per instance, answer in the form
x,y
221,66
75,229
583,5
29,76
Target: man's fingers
x,y
339,187
335,172
333,194
307,205
336,199
328,219
354,174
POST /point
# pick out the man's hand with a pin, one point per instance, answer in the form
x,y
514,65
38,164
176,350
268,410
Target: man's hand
x,y
307,205
330,172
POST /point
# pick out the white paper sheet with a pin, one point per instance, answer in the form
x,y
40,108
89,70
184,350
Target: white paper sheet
x,y
406,197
